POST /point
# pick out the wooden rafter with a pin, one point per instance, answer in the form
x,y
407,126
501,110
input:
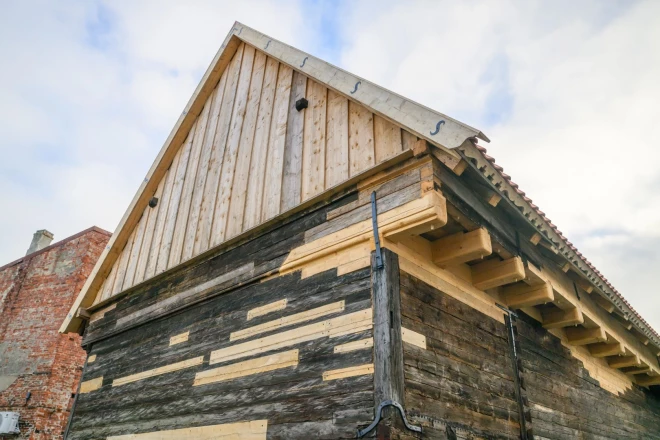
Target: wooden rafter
x,y
462,247
562,318
584,336
523,295
495,273
604,349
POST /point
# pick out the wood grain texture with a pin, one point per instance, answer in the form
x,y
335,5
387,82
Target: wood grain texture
x,y
337,160
179,235
387,139
161,218
313,157
213,181
91,385
253,430
246,149
230,162
208,168
293,147
158,371
258,165
248,368
275,163
174,205
360,138
288,320
266,309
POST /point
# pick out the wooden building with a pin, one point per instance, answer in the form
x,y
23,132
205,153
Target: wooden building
x,y
311,253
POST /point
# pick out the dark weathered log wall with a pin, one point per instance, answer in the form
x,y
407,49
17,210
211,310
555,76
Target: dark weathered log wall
x,y
295,400
567,403
462,384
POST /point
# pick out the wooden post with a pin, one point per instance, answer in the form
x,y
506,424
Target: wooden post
x,y
388,345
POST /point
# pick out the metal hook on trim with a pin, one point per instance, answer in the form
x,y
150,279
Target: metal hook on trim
x,y
437,127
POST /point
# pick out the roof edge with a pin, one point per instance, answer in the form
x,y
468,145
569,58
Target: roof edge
x,y
437,128
496,179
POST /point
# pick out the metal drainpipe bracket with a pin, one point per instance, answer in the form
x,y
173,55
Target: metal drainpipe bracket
x,y
385,403
374,222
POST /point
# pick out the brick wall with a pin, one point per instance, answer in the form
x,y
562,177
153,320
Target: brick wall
x,y
36,293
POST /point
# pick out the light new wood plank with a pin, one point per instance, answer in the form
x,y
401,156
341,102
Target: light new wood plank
x,y
339,326
265,309
209,167
101,313
494,273
158,371
174,206
341,373
91,359
413,338
109,282
584,336
387,139
355,345
408,140
263,364
192,291
293,145
123,264
129,277
286,321
336,166
163,205
273,181
230,162
91,385
246,145
253,430
148,236
183,212
219,154
462,247
178,339
313,168
256,177
360,138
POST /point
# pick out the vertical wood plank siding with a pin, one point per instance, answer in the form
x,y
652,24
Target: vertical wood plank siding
x,y
248,157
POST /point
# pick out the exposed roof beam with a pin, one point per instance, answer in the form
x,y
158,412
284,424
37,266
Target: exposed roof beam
x,y
603,349
523,295
562,318
623,361
584,336
495,273
461,247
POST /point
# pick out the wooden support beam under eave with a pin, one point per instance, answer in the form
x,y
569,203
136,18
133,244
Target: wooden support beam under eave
x,y
523,295
603,349
495,273
602,302
562,318
623,361
584,336
645,380
461,247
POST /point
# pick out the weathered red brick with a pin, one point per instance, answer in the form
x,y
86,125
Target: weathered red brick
x,y
36,293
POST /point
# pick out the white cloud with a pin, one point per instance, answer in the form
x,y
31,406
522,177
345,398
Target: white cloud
x,y
566,90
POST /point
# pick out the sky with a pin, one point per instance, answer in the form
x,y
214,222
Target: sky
x,y
567,91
